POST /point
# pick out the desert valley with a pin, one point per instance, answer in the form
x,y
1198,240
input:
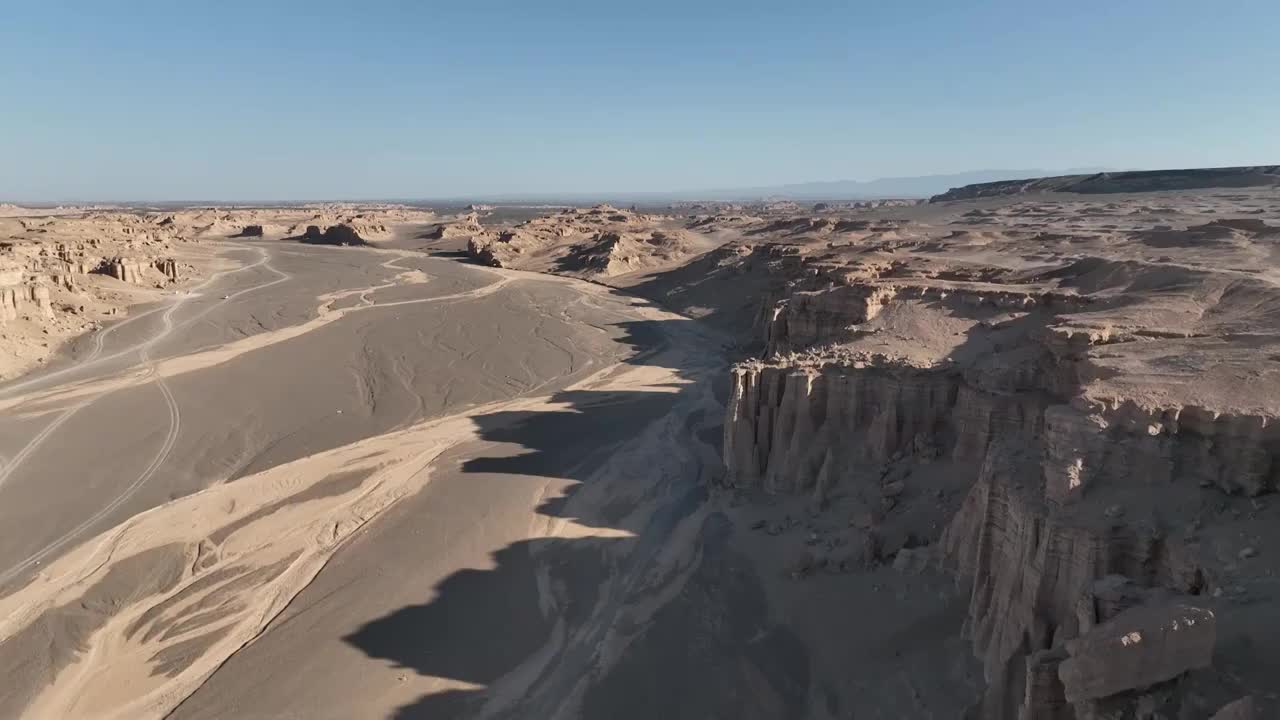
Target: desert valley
x,y
1007,453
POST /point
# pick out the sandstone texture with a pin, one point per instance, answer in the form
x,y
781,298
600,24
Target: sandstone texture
x,y
599,242
1070,402
1061,393
64,273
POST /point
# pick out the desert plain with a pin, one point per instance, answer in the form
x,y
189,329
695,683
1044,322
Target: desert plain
x,y
1009,452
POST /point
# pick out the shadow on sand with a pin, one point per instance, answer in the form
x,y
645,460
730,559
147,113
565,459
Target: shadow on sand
x,y
531,630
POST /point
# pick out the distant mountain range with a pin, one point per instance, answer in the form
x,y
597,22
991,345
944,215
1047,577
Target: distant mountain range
x,y
922,186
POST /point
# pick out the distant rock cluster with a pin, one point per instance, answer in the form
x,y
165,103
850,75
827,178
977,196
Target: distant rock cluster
x,y
1123,182
333,235
602,241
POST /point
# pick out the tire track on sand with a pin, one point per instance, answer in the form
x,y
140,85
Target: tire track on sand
x,y
92,359
143,347
157,374
171,435
171,439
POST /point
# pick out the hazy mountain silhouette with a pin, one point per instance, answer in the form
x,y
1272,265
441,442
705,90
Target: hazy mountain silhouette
x,y
922,186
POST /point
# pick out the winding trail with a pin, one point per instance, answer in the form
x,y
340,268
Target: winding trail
x,y
143,349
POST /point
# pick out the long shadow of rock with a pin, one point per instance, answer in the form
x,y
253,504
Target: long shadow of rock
x,y
544,609
481,625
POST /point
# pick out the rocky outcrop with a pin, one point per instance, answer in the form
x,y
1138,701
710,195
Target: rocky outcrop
x,y
610,253
168,267
598,243
341,234
1032,388
123,269
799,429
13,299
466,227
483,250
252,231
8,304
809,318
1020,539
40,297
1140,647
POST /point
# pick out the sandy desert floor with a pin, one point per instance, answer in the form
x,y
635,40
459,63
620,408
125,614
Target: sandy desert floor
x,y
169,490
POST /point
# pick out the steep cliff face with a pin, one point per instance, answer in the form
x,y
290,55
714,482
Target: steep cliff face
x,y
797,429
1065,401
1032,566
12,300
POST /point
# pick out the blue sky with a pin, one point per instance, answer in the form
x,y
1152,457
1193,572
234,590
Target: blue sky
x,y
281,100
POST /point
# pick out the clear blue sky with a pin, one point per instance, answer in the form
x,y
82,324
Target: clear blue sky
x,y
299,100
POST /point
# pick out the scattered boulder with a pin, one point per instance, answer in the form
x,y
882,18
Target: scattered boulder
x,y
1139,647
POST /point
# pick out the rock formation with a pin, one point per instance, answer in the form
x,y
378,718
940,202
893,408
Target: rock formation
x,y
597,243
8,303
39,296
465,227
1088,401
332,235
168,267
1138,648
123,269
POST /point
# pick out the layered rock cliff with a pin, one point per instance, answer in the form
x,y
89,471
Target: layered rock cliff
x,y
1094,406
